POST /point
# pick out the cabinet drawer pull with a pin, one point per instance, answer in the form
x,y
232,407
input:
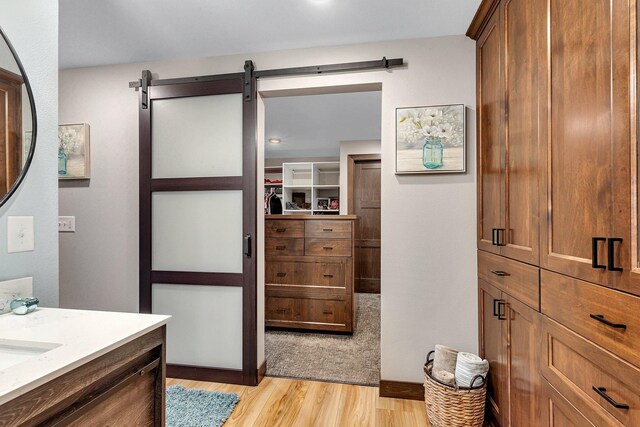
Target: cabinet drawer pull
x,y
603,393
600,318
493,236
495,309
281,310
280,230
501,314
327,248
281,248
611,254
594,252
500,236
281,274
328,275
327,229
500,273
327,312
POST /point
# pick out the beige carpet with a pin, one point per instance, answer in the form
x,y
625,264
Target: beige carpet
x,y
326,357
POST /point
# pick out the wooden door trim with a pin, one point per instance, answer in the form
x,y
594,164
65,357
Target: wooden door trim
x,y
248,375
351,164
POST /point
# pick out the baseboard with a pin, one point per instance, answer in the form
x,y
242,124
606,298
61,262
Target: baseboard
x,y
198,373
262,371
401,390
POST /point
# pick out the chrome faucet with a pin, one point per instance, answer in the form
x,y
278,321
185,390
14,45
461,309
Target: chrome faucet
x,y
24,305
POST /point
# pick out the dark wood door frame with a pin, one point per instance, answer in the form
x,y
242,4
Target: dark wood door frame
x,y
352,159
247,280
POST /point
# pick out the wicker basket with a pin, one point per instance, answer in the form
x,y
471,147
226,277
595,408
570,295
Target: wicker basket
x,y
449,406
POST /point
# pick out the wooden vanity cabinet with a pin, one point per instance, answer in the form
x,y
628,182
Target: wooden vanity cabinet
x,y
123,387
309,272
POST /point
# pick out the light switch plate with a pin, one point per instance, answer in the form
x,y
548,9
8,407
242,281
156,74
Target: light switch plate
x,y
11,289
20,234
67,224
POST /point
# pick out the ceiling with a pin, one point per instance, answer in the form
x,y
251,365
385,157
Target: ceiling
x,y
103,32
313,126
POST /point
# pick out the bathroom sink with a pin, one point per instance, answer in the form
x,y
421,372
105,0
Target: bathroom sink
x,y
13,352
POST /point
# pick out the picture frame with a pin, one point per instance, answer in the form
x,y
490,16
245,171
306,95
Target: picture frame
x,y
322,204
431,139
334,204
74,153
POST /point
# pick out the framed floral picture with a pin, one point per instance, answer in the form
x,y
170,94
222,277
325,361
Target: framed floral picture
x,y
74,161
430,139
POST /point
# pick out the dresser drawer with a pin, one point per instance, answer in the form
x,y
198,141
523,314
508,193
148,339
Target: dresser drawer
x,y
602,315
332,229
522,281
327,247
306,273
331,312
325,311
291,247
277,308
328,274
287,273
284,228
577,368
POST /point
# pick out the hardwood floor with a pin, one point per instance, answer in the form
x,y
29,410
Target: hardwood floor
x,y
286,402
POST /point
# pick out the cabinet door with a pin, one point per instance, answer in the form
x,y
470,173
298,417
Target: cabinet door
x,y
493,348
520,19
523,350
586,101
490,135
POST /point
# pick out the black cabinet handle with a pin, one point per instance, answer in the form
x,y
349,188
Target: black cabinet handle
x,y
327,312
281,310
611,254
500,236
603,393
594,252
496,311
281,274
501,314
600,318
281,248
500,273
247,245
280,230
327,248
328,275
493,236
327,229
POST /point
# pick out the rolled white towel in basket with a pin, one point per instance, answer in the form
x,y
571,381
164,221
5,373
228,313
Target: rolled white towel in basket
x,y
444,359
445,377
468,366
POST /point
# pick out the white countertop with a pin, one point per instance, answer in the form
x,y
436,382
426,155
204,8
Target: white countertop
x,y
81,336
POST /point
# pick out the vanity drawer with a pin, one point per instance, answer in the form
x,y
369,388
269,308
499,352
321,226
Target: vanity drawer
x,y
522,281
602,315
327,247
284,228
557,411
284,247
331,229
576,368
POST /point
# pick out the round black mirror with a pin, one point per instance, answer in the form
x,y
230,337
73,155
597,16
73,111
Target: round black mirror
x,y
17,121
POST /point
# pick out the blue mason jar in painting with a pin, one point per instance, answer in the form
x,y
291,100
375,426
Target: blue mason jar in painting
x,y
432,153
62,162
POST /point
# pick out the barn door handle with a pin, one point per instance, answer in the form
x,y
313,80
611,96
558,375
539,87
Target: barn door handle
x,y
603,393
600,318
611,254
594,252
247,245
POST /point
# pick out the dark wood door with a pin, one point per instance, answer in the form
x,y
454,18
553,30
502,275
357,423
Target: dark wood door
x,y
587,137
366,205
522,363
10,129
490,136
493,348
521,129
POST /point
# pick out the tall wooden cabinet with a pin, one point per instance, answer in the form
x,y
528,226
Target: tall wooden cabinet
x,y
558,266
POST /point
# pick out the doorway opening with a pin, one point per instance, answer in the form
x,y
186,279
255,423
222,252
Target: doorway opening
x,y
322,244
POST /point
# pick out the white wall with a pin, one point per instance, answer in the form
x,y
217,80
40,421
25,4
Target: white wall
x,y
32,28
347,148
428,222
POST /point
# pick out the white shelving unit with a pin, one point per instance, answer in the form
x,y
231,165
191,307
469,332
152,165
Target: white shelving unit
x,y
305,183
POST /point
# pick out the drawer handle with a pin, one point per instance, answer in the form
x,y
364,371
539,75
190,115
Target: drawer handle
x,y
496,236
281,310
603,393
497,308
600,318
280,230
327,229
281,248
594,252
327,248
611,254
500,273
328,275
281,274
327,312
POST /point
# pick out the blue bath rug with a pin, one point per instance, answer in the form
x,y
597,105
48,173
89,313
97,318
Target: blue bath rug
x,y
187,407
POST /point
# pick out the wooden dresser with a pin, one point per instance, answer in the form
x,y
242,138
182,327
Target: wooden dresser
x,y
309,272
558,258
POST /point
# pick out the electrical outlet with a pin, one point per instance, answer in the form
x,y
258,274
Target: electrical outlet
x,y
12,289
67,224
20,236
